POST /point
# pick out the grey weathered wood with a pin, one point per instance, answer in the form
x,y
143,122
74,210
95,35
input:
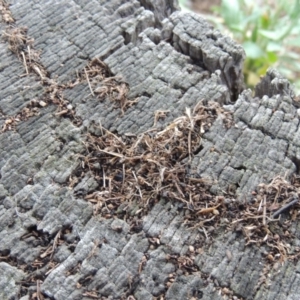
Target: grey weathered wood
x,y
171,60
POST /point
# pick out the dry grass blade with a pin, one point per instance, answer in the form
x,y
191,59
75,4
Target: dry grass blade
x,y
88,81
24,62
264,210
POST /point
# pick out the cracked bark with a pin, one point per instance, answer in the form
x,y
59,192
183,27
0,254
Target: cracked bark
x,y
170,60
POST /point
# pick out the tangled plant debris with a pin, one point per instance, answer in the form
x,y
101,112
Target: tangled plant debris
x,y
133,172
6,13
269,218
139,169
104,84
101,81
22,46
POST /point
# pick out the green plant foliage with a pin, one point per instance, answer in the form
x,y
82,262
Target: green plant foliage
x,y
269,32
183,5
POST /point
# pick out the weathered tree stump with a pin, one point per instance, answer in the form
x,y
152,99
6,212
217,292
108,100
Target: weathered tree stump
x,y
134,164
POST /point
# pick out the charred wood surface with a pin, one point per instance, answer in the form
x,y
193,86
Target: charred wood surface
x,y
133,162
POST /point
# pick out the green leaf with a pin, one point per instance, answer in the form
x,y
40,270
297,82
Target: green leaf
x,y
296,66
272,57
216,9
183,6
269,32
297,87
237,27
295,12
285,72
230,11
265,20
277,34
293,42
251,20
274,47
253,50
291,55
